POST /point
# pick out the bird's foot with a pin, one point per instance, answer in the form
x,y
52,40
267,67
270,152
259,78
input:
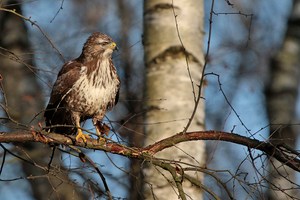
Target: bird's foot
x,y
102,129
101,140
81,136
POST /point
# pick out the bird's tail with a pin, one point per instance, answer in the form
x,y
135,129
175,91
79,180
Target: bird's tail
x,y
59,120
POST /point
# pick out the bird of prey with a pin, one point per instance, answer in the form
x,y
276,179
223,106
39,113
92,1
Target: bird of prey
x,y
86,88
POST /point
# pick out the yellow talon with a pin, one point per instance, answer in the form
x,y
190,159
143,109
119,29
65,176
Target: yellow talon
x,y
99,129
101,139
82,136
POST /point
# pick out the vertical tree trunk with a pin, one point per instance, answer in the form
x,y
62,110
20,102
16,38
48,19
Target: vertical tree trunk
x,y
281,97
135,138
169,92
25,101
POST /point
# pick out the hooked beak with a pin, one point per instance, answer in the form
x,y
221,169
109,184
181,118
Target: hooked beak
x,y
113,45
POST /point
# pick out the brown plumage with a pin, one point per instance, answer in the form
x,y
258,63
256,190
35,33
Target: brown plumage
x,y
85,88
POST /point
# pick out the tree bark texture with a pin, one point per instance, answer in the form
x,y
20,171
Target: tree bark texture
x,y
173,34
281,97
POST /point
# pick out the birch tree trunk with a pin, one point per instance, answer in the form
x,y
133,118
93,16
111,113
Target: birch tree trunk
x,y
169,90
281,97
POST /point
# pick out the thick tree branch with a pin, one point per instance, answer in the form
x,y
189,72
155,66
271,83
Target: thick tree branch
x,y
281,152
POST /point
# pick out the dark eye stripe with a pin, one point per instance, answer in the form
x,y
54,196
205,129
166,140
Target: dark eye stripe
x,y
102,43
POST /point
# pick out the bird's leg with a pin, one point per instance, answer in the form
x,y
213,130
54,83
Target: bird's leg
x,y
101,129
80,134
96,124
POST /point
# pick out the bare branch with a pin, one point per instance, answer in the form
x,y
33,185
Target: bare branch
x,y
279,151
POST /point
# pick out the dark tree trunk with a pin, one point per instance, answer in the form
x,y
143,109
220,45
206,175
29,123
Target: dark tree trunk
x,y
281,98
24,104
132,95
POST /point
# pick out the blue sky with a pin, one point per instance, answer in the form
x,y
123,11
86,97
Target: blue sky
x,y
248,101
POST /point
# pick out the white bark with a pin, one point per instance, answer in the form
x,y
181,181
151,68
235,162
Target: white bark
x,y
169,90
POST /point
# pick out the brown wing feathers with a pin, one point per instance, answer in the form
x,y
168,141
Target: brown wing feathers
x,y
56,112
85,87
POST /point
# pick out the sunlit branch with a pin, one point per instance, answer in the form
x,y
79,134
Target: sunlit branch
x,y
281,152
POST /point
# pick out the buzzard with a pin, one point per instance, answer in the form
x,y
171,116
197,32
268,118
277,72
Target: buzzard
x,y
86,88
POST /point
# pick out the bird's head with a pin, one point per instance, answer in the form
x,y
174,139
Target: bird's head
x,y
98,45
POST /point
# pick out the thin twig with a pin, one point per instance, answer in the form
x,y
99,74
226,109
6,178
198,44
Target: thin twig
x,y
3,160
61,7
34,23
203,69
185,52
84,158
51,157
230,105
